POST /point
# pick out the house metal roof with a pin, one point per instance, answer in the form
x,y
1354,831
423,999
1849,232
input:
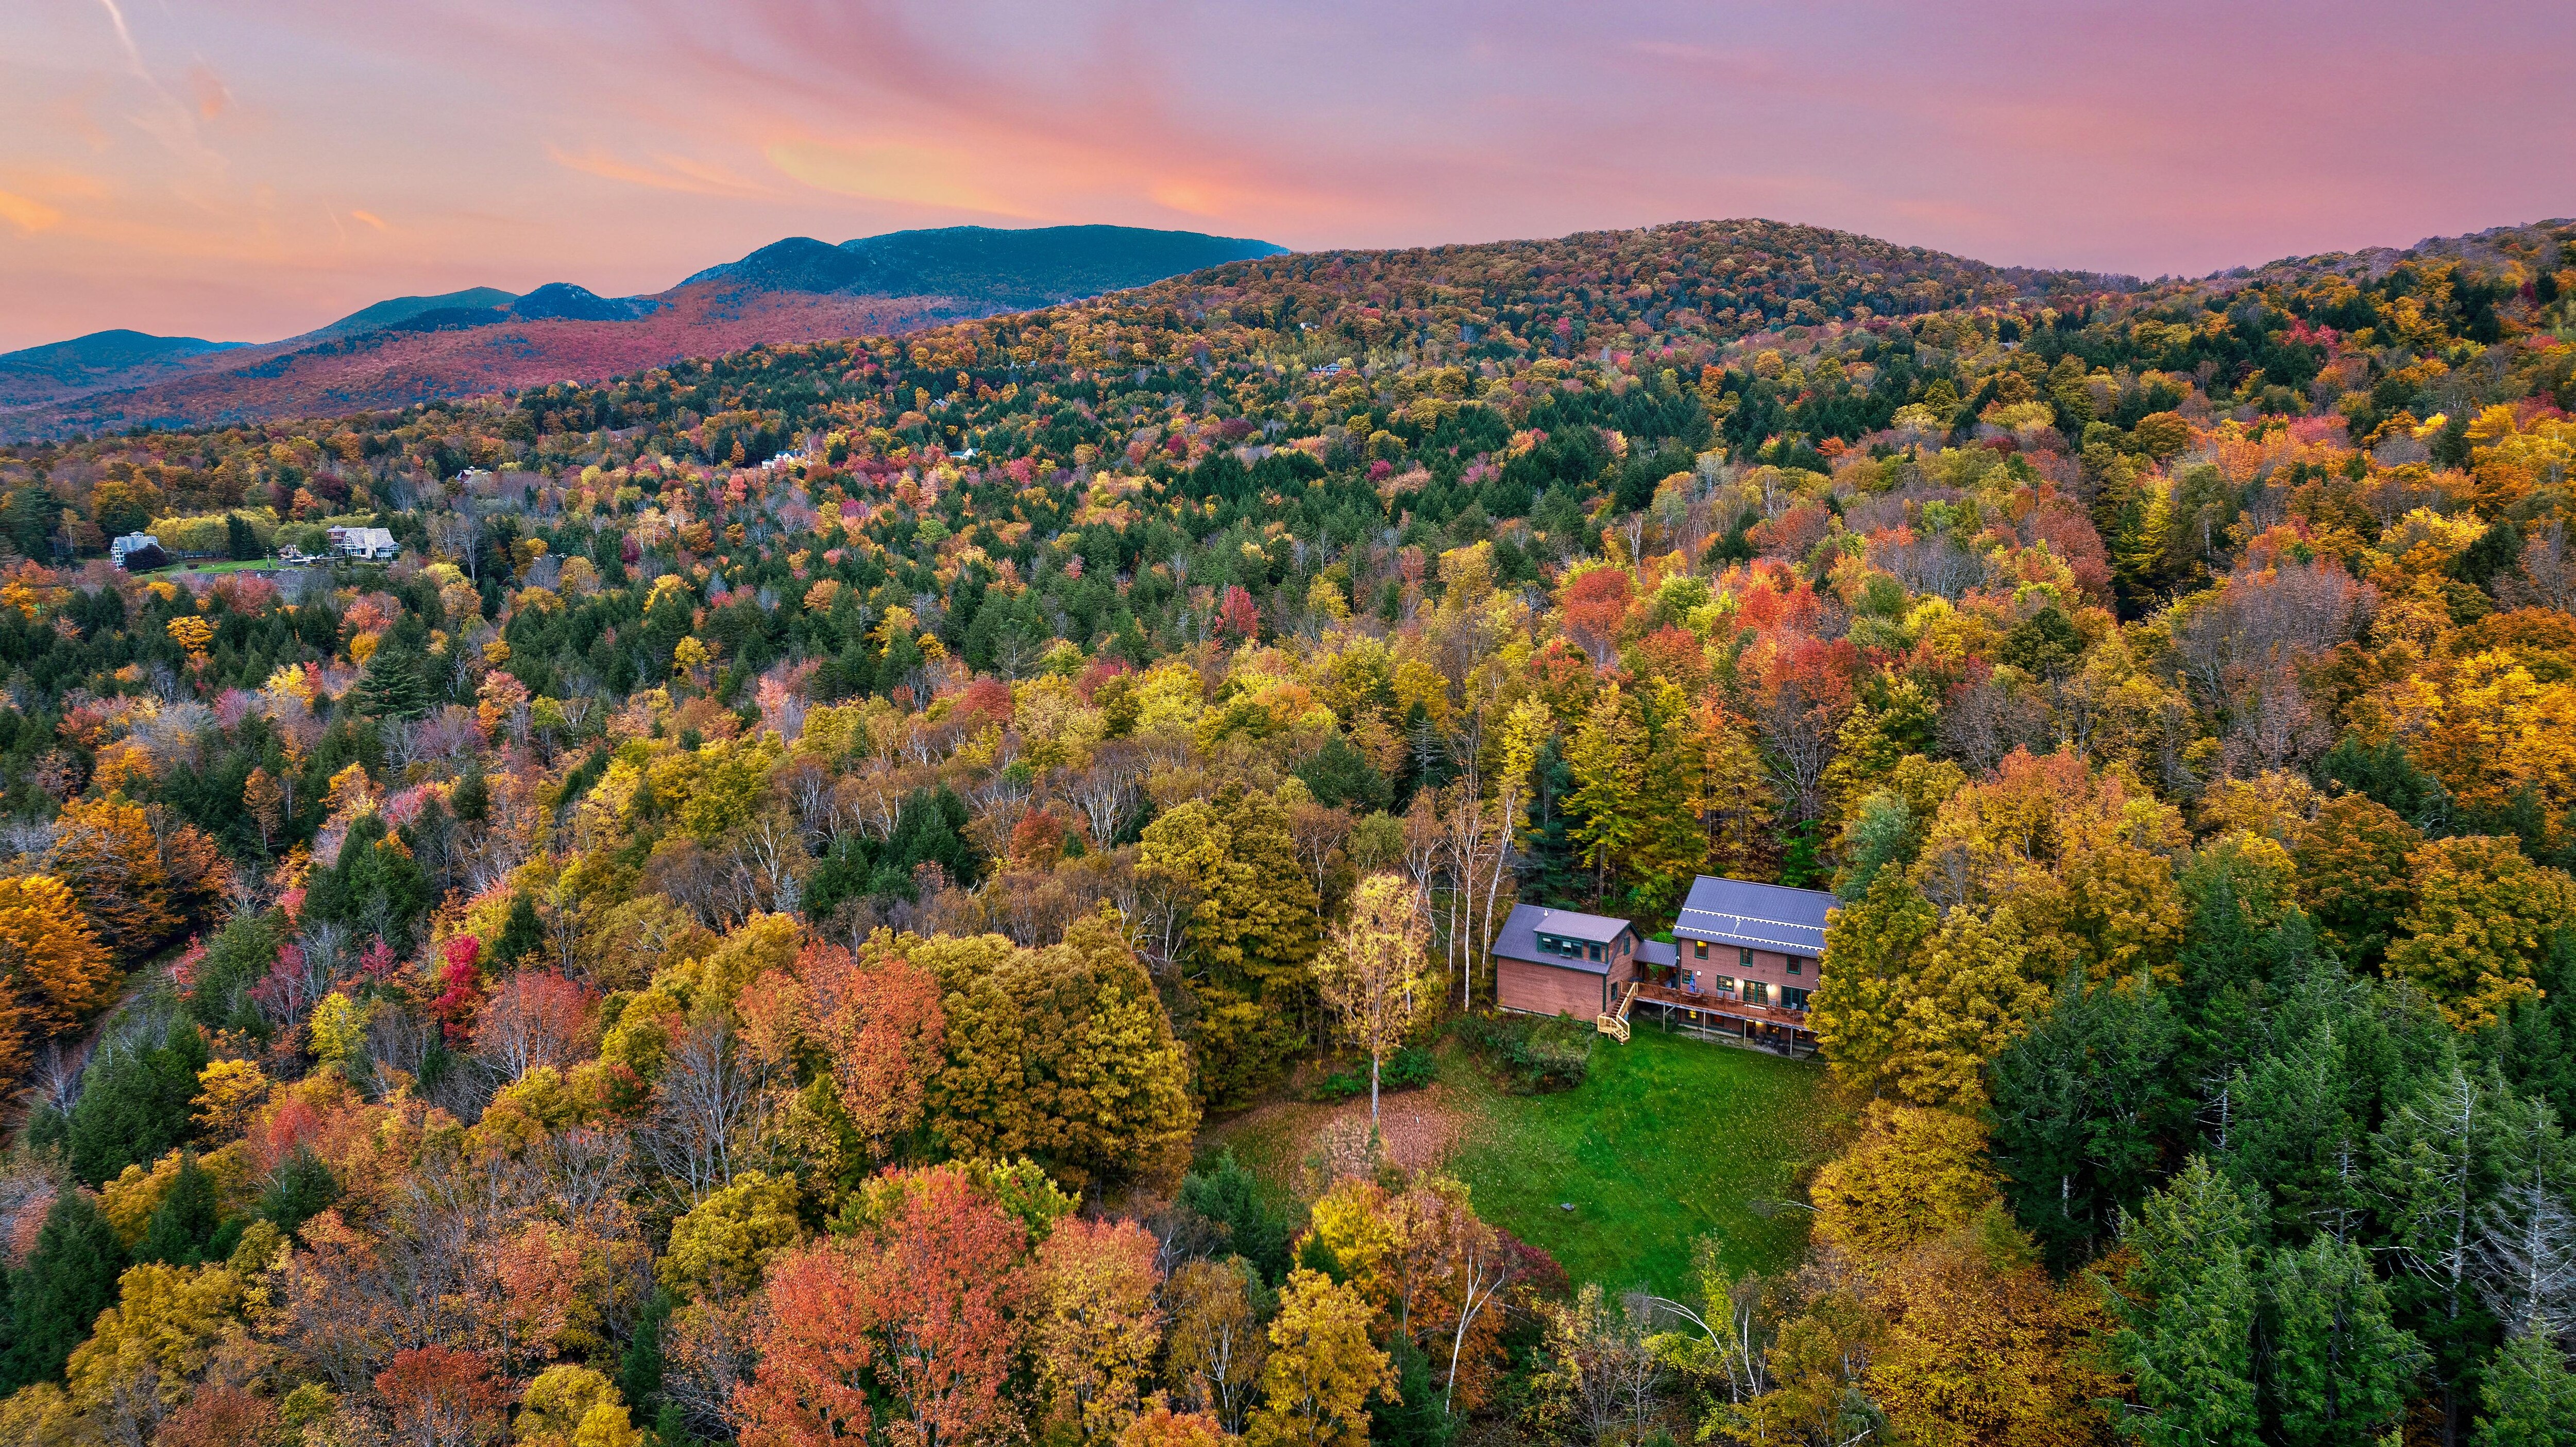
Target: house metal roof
x,y
1519,938
1760,916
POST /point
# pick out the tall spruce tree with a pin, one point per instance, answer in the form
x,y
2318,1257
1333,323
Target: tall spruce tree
x,y
2530,1395
2186,1332
69,1279
392,688
2338,1366
183,1226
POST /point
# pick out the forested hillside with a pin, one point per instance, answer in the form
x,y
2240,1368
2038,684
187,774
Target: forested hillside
x,y
733,936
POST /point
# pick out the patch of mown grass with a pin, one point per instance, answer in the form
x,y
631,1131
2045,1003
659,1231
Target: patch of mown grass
x,y
1669,1138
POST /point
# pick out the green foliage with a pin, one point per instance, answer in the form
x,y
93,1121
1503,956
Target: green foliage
x,y
2187,1313
1227,1195
136,1103
183,1228
69,1279
1530,1054
301,1188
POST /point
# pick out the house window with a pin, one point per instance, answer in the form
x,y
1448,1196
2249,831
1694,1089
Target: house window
x,y
1792,999
1797,965
1595,952
1756,993
1699,949
1744,957
1725,985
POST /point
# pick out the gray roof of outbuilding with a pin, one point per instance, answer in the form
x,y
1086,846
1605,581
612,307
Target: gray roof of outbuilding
x,y
1519,939
1655,954
1762,916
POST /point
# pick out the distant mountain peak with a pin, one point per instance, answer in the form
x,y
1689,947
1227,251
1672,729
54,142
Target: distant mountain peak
x,y
1008,269
403,308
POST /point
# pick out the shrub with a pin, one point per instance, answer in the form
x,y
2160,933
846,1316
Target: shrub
x,y
1530,1055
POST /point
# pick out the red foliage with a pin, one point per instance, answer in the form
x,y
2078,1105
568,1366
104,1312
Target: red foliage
x,y
218,1416
1098,672
883,1027
1038,839
1596,607
986,700
922,1310
443,1397
1237,614
460,994
537,1018
1673,654
1793,534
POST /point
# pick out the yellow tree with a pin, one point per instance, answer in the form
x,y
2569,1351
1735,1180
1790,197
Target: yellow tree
x,y
2483,917
1914,1174
1101,1325
1370,972
1608,759
52,969
193,634
1217,1349
105,852
265,802
1323,1370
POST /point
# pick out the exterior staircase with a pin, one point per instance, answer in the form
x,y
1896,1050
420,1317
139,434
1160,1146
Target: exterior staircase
x,y
1615,1024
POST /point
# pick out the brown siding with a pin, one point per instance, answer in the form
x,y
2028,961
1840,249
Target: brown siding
x,y
1546,989
1768,966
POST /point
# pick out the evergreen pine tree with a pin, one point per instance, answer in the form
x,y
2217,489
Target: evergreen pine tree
x,y
2530,1395
2083,1103
2339,1367
639,1367
136,1104
392,688
1417,1419
471,800
301,1188
1229,1196
521,934
185,1222
2187,1320
69,1279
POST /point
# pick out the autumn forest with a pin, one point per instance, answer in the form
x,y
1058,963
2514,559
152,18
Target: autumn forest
x,y
746,928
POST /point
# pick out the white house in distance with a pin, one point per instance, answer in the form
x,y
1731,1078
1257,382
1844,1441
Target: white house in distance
x,y
375,545
130,543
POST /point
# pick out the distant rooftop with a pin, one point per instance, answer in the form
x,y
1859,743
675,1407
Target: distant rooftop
x,y
1758,916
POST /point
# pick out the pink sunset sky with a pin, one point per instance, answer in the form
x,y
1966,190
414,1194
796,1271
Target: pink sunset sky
x,y
248,169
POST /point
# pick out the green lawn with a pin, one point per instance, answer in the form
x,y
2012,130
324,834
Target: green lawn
x,y
1670,1138
222,567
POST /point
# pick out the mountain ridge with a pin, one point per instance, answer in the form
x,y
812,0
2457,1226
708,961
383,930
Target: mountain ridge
x,y
419,348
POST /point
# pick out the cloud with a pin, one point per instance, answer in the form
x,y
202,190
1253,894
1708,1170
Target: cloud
x,y
208,90
895,171
27,215
370,218
667,173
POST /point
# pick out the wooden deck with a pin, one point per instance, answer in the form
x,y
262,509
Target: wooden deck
x,y
1729,1009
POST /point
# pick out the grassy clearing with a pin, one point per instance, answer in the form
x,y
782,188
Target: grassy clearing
x,y
1668,1139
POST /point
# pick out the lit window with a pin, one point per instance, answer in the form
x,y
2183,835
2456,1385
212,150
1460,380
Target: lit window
x,y
1699,949
1756,993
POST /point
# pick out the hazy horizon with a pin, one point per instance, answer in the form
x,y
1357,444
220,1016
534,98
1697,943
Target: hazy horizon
x,y
250,169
